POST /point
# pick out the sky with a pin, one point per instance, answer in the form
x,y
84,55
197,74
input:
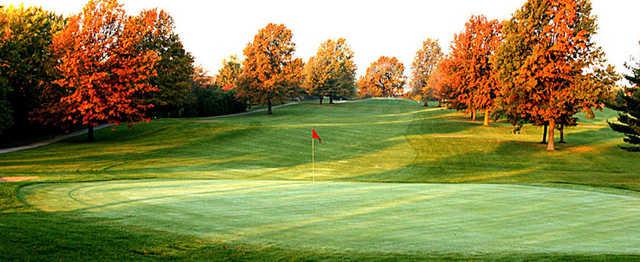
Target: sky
x,y
214,30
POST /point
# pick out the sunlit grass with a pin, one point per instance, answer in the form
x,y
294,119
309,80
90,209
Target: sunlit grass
x,y
264,164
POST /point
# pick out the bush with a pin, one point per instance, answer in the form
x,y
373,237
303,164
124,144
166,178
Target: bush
x,y
212,102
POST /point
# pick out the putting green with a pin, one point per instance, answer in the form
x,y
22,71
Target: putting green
x,y
362,217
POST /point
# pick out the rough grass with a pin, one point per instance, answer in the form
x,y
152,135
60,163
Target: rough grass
x,y
373,141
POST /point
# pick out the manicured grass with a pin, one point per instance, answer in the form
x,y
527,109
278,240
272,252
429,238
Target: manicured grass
x,y
368,141
363,217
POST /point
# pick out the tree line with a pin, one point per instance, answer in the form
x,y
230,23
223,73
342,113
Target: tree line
x,y
96,67
100,66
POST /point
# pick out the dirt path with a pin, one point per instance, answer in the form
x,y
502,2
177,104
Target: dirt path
x,y
251,112
17,178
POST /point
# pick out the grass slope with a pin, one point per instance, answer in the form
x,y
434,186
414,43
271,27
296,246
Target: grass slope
x,y
373,140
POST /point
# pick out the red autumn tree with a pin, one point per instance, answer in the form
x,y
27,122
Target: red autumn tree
x,y
475,83
440,80
270,73
384,78
104,74
549,66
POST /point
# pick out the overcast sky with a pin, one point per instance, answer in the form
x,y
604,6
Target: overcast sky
x,y
213,30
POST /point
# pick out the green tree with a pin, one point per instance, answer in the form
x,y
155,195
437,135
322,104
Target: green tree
x,y
227,77
423,66
6,114
26,61
628,105
331,72
175,67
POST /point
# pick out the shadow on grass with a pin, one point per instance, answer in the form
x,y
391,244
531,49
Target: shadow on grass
x,y
55,236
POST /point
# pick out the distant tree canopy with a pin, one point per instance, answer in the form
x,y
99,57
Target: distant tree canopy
x,y
384,78
26,62
331,72
175,67
227,77
104,75
548,65
423,67
270,72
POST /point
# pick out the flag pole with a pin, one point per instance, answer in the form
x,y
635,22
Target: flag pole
x,y
313,160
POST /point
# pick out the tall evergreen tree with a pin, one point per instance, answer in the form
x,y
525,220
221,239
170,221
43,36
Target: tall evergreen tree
x,y
628,105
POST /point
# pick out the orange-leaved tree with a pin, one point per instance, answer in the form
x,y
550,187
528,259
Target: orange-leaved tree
x,y
331,72
423,66
549,67
476,86
104,75
384,78
440,81
270,72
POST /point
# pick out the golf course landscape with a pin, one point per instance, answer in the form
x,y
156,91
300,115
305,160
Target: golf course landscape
x,y
393,180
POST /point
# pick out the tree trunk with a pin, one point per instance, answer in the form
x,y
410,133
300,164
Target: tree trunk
x,y
269,107
544,134
486,117
330,99
473,115
426,103
90,133
321,98
551,146
561,129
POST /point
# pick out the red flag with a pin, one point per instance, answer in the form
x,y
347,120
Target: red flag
x,y
315,135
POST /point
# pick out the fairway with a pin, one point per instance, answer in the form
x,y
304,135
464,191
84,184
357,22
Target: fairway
x,y
393,180
362,217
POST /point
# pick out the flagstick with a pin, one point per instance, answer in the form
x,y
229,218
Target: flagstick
x,y
313,160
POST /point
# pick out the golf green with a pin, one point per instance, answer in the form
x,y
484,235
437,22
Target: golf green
x,y
361,217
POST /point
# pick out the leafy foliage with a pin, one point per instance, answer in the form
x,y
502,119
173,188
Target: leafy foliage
x,y
384,78
104,75
423,66
175,67
331,72
26,62
628,105
270,73
549,67
470,76
228,74
208,99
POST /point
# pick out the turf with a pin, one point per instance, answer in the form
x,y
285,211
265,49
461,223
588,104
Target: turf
x,y
391,141
364,217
